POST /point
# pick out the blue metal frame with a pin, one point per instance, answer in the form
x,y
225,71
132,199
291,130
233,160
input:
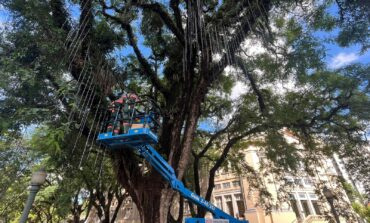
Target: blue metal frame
x,y
134,137
141,139
205,220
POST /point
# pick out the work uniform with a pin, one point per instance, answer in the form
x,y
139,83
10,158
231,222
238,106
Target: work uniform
x,y
114,124
121,112
128,112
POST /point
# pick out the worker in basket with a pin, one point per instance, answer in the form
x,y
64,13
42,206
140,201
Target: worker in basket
x,y
121,111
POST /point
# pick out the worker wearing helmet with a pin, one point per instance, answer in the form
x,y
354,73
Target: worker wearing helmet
x,y
128,111
115,115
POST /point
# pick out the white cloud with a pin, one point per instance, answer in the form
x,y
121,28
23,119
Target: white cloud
x,y
342,59
238,89
253,47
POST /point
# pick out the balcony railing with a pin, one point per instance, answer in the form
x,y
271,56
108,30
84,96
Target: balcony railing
x,y
314,218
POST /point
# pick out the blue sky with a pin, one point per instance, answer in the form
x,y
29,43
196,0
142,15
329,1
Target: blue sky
x,y
4,17
339,56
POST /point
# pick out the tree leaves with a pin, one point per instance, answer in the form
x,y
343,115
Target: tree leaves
x,y
48,140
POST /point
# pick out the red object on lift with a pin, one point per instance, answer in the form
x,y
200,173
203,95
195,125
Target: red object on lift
x,y
116,121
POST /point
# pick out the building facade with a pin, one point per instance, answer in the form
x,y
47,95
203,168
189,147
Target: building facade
x,y
304,201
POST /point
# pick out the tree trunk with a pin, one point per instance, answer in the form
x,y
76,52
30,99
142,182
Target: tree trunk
x,y
76,218
151,194
156,205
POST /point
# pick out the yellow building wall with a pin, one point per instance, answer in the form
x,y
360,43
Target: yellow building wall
x,y
277,217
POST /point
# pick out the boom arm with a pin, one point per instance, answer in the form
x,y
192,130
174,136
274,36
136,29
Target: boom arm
x,y
157,161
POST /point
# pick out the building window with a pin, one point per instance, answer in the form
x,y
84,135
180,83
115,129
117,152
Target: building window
x,y
302,196
294,206
240,204
314,203
226,185
304,204
217,186
316,206
305,207
308,182
298,182
218,202
236,183
288,180
229,204
312,196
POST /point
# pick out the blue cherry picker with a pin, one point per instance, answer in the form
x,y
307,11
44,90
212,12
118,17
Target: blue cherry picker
x,y
132,125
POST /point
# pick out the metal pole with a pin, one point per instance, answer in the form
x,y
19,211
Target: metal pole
x,y
331,202
31,197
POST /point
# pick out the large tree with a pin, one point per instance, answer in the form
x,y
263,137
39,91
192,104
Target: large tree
x,y
59,69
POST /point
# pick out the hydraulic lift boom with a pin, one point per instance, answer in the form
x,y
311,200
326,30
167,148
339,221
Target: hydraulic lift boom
x,y
140,140
141,121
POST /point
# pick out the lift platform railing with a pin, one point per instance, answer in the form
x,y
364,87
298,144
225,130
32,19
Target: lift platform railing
x,y
132,114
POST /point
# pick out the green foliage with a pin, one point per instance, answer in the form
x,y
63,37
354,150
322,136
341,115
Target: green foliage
x,y
26,58
106,38
279,22
354,24
293,31
15,168
226,83
321,20
280,152
362,210
293,90
48,140
352,193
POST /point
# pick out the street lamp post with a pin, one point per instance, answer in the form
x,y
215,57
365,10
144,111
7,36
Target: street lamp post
x,y
38,178
330,197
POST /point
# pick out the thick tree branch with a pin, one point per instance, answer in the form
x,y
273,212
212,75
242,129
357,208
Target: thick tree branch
x,y
222,158
177,14
181,210
326,117
198,156
157,8
252,81
90,204
341,10
191,205
215,136
196,173
193,115
143,62
120,198
247,23
60,15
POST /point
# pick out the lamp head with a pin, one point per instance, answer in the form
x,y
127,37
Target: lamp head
x,y
38,177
